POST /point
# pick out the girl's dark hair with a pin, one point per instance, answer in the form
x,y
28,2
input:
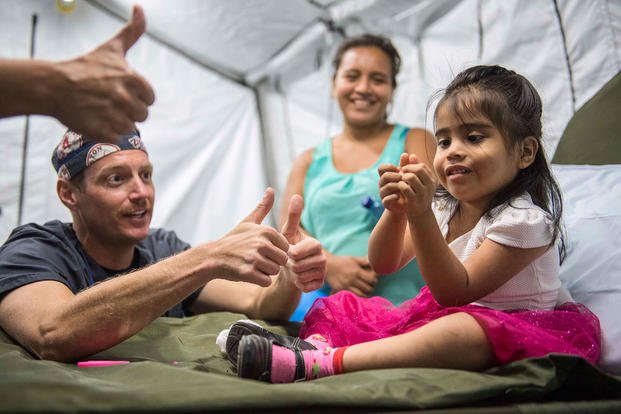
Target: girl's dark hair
x,y
513,106
370,40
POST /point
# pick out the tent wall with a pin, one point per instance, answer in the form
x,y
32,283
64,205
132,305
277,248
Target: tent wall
x,y
568,49
228,122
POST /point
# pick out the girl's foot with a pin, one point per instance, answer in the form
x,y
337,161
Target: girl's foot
x,y
260,358
245,327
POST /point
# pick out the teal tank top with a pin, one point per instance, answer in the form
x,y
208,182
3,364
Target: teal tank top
x,y
333,212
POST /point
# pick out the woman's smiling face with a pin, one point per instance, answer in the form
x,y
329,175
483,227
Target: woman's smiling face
x,y
363,85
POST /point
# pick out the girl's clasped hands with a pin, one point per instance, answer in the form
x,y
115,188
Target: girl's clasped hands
x,y
408,188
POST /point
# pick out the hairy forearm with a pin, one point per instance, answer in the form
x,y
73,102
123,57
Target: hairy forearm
x,y
28,87
112,311
278,301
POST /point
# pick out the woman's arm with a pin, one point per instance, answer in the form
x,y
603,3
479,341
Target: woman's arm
x,y
295,182
421,143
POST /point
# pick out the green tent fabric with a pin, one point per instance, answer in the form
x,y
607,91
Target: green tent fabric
x,y
177,367
593,135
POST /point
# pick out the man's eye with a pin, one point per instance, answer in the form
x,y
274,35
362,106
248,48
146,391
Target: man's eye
x,y
114,179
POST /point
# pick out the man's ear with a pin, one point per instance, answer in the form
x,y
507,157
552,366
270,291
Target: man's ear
x,y
67,193
528,150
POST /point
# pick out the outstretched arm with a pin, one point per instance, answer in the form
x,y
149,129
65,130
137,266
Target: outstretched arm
x,y
96,94
54,323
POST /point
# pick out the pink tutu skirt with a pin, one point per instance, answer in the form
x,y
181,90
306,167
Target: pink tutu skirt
x,y
346,319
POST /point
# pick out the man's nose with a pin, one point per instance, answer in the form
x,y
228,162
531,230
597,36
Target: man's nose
x,y
139,189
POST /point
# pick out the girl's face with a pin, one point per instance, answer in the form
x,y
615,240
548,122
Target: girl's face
x,y
363,85
472,159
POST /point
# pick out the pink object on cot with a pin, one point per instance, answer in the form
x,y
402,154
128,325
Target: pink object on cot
x,y
101,363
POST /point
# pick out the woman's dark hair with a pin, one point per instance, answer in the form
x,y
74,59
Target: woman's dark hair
x,y
513,106
370,40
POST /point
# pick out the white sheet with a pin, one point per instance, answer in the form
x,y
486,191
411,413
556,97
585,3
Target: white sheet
x,y
592,269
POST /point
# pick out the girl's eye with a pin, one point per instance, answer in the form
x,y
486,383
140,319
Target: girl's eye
x,y
444,142
475,138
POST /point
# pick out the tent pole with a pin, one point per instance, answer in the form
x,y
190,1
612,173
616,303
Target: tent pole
x,y
22,181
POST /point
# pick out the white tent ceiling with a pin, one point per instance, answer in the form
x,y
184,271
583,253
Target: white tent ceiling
x,y
243,86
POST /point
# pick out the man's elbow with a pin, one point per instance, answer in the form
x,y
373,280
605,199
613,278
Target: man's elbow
x,y
54,345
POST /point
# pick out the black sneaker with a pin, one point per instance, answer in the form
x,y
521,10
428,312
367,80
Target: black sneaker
x,y
254,359
243,328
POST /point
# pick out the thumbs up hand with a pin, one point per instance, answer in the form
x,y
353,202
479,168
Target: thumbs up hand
x,y
307,263
251,252
291,228
98,94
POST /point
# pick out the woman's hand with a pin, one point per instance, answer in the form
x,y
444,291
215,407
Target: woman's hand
x,y
351,273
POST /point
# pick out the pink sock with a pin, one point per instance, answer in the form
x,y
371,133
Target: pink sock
x,y
319,363
283,365
318,341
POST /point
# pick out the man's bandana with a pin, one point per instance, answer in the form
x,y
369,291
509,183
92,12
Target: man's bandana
x,y
75,152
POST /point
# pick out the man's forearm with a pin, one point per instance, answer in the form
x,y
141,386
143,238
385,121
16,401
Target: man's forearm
x,y
112,311
27,87
278,301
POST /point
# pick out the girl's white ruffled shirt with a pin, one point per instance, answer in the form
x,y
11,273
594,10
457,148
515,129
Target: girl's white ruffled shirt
x,y
519,223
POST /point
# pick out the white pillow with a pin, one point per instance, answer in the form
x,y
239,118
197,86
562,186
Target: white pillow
x,y
592,268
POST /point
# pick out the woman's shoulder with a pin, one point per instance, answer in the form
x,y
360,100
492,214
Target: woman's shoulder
x,y
414,131
304,160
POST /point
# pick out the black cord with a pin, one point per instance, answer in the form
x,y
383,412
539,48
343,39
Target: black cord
x,y
567,60
22,181
480,28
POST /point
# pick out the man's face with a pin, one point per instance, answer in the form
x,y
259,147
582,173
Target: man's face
x,y
115,201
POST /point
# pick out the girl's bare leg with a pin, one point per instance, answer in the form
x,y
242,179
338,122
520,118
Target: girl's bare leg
x,y
453,341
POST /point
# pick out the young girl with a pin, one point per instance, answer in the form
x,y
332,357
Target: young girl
x,y
487,240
